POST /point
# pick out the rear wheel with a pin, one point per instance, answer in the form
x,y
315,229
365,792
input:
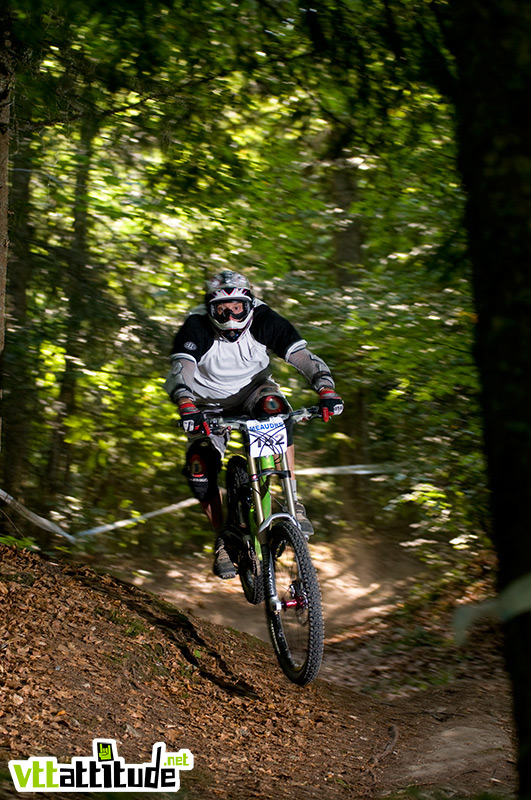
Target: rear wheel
x,y
239,523
297,629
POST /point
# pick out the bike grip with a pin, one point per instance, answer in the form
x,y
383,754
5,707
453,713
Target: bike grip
x,y
326,415
206,428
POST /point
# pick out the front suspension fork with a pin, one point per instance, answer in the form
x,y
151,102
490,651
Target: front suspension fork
x,y
259,480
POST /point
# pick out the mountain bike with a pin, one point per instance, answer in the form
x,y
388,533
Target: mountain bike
x,y
264,540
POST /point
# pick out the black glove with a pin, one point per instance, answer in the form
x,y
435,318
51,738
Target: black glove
x,y
330,404
193,419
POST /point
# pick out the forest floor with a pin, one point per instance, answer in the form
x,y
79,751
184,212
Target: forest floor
x,y
85,655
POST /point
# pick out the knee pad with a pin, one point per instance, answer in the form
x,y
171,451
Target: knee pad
x,y
269,404
203,463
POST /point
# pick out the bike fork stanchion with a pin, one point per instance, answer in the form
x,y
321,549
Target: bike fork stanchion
x,y
286,482
271,597
255,488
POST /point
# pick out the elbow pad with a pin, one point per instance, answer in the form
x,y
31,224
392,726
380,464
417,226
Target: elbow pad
x,y
314,369
180,380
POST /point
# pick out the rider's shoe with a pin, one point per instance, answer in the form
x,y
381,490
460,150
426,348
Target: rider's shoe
x,y
223,566
302,519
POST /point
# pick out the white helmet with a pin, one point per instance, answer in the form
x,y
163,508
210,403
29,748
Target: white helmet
x,y
225,287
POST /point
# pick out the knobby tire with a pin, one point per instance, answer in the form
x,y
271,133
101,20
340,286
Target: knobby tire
x,y
297,630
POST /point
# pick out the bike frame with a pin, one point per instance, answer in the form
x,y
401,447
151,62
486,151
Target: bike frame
x,y
268,547
261,469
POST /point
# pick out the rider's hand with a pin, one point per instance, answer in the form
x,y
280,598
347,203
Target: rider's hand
x,y
193,419
330,404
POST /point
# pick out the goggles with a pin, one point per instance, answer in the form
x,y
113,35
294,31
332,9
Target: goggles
x,y
223,315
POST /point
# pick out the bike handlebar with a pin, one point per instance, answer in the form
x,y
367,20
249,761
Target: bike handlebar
x,y
224,423
220,424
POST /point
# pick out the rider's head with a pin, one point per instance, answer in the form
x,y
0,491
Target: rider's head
x,y
229,303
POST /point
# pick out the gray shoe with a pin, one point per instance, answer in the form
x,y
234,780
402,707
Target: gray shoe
x,y
302,519
223,566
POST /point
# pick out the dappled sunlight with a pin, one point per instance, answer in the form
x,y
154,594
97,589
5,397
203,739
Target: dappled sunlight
x,y
365,169
357,582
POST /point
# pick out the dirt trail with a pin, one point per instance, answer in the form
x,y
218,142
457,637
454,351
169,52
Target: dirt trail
x,y
396,705
456,736
354,588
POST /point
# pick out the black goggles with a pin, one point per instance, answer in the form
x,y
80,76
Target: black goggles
x,y
225,314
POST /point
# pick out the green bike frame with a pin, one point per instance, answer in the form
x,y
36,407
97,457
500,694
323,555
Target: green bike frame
x,y
261,470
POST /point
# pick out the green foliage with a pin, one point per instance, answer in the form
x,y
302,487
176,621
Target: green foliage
x,y
166,141
400,348
17,541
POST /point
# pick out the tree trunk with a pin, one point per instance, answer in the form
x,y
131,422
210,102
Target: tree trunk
x,y
347,253
347,256
78,290
492,42
18,382
7,72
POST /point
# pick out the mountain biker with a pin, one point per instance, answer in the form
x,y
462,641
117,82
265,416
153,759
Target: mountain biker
x,y
220,364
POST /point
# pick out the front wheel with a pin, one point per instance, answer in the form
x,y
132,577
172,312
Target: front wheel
x,y
297,629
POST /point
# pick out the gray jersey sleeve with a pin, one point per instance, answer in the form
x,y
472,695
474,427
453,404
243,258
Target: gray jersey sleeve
x,y
181,378
312,367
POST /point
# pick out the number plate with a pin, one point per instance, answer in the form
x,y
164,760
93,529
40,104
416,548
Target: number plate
x,y
267,437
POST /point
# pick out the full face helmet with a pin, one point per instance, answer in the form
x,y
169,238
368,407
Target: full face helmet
x,y
229,287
